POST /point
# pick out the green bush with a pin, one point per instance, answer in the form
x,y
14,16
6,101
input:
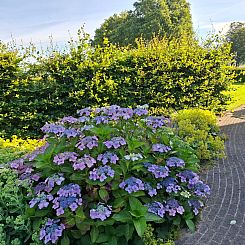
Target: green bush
x,y
240,72
199,128
165,74
107,174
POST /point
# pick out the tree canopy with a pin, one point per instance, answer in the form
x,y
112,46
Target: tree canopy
x,y
168,18
236,35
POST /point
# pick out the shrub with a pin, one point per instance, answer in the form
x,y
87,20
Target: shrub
x,y
102,177
15,147
165,74
199,128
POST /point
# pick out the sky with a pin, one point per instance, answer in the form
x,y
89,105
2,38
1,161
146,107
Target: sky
x,y
36,20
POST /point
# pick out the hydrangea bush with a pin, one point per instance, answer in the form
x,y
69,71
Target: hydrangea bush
x,y
104,176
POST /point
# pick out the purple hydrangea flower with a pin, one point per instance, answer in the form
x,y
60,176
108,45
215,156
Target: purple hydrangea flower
x,y
83,162
141,110
172,207
196,205
42,200
200,189
132,185
101,119
87,142
170,184
35,153
161,148
101,173
53,128
83,119
85,112
156,122
151,191
188,176
69,120
86,128
133,157
101,212
108,157
156,208
62,157
158,171
115,142
56,179
175,162
71,133
51,231
68,196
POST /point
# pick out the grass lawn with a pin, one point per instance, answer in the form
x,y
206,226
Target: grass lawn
x,y
238,96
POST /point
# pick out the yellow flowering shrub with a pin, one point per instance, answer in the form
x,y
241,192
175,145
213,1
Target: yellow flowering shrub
x,y
15,147
199,128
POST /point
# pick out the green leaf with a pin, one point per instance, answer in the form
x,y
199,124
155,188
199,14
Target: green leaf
x,y
94,234
102,238
140,225
176,220
152,217
112,241
137,206
65,240
104,194
123,216
190,225
119,202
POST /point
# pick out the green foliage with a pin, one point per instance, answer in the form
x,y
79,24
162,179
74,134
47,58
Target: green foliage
x,y
236,35
126,223
164,73
14,226
199,128
150,239
149,18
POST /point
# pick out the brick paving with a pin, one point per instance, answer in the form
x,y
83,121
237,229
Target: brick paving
x,y
226,204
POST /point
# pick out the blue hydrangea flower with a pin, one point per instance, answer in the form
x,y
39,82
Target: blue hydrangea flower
x,y
132,185
56,179
62,157
101,173
175,162
108,157
87,142
170,184
84,162
161,148
133,157
69,196
101,119
85,112
188,176
53,128
200,189
156,208
115,142
70,120
42,200
51,231
156,122
151,191
102,212
172,207
158,171
196,205
141,110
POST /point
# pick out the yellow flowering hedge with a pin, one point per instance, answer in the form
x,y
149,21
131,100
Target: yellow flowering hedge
x,y
15,147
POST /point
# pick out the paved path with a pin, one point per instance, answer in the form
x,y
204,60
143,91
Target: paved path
x,y
227,182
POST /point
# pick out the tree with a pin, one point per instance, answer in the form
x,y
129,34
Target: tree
x,y
169,18
236,35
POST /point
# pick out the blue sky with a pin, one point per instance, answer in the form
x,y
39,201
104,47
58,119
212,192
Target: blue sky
x,y
37,20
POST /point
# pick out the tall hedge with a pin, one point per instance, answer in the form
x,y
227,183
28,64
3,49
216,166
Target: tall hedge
x,y
165,74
